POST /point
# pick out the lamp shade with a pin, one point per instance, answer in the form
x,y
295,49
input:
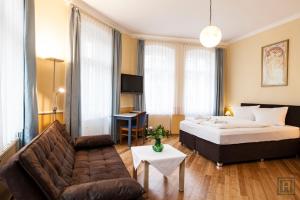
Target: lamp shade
x,y
210,36
227,113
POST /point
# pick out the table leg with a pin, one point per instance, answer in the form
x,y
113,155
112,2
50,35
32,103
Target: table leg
x,y
181,176
116,131
146,176
134,173
129,133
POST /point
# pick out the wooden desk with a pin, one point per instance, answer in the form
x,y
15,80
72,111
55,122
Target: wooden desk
x,y
127,117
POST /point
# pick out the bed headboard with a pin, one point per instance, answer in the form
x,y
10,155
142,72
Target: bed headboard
x,y
293,114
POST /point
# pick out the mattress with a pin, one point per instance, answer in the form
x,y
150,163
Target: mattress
x,y
239,135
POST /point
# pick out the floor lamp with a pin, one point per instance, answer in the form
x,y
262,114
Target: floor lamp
x,y
55,92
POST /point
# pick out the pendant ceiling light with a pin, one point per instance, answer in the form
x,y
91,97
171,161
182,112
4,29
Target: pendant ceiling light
x,y
211,35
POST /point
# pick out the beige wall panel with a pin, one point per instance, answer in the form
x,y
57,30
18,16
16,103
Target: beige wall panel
x,y
129,66
243,68
45,84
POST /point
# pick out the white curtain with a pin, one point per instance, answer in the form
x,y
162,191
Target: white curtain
x,y
11,70
96,77
159,78
199,80
179,79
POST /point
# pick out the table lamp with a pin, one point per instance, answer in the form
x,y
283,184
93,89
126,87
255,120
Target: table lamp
x,y
227,113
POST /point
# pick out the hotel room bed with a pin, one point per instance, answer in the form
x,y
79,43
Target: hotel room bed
x,y
244,144
239,135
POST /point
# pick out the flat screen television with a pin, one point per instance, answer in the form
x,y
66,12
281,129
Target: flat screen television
x,y
131,83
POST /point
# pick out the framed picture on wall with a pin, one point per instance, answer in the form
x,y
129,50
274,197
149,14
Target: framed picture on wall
x,y
275,64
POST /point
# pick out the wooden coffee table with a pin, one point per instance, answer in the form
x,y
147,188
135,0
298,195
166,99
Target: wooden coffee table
x,y
165,162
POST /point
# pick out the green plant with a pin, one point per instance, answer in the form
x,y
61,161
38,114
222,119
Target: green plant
x,y
157,133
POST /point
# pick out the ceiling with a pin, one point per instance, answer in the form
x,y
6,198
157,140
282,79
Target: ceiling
x,y
186,18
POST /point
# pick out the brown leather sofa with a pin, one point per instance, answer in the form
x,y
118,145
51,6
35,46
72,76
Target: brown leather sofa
x,y
53,167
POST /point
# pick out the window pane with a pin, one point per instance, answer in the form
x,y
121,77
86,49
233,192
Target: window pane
x,y
159,78
199,78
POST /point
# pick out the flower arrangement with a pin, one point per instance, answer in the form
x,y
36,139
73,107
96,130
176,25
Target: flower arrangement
x,y
157,133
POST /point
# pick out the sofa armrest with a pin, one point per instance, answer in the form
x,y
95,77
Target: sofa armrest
x,y
86,142
112,189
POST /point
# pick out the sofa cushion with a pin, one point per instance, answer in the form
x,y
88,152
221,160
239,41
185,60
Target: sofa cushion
x,y
98,164
112,189
90,142
49,160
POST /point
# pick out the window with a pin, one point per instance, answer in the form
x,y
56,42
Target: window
x,y
199,81
96,77
159,77
179,79
11,71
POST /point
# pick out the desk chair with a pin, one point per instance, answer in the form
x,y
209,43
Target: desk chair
x,y
137,127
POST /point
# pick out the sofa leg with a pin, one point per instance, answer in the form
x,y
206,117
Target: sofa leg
x,y
219,164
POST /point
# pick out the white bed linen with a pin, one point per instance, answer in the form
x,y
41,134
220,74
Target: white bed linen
x,y
231,122
239,135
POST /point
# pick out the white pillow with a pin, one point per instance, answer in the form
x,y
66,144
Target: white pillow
x,y
272,116
244,112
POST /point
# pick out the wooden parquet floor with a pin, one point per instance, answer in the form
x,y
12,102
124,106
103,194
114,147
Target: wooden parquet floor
x,y
252,180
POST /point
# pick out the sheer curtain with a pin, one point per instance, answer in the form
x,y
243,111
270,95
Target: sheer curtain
x,y
179,79
199,80
160,61
11,71
96,77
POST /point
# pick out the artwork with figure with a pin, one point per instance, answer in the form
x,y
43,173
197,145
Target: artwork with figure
x,y
275,64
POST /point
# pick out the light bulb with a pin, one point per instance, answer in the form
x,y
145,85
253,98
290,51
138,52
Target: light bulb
x,y
210,36
61,90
